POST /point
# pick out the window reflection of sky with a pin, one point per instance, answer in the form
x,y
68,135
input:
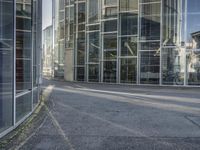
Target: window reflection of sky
x,y
193,17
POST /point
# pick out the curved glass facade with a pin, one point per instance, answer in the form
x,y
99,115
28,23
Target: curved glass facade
x,y
20,48
134,41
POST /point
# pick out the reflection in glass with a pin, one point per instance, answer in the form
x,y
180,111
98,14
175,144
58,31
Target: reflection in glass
x,y
6,63
93,75
23,46
128,5
109,9
128,70
94,47
110,54
23,106
81,53
173,66
129,23
150,21
193,67
93,9
35,96
81,12
193,24
109,71
110,41
129,46
80,73
150,45
110,26
149,67
171,22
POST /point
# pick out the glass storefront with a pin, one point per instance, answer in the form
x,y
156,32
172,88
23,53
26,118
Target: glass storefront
x,y
136,41
20,48
6,63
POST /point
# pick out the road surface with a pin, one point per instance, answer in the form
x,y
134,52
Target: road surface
x,y
82,116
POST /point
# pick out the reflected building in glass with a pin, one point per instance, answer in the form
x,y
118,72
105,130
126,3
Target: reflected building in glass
x,y
20,62
47,57
131,41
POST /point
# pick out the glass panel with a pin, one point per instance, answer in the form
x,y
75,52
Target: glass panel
x,y
193,67
109,71
171,22
81,12
149,67
93,8
23,47
129,46
128,70
193,42
94,48
110,55
109,9
23,106
6,63
23,75
129,23
193,24
80,73
35,96
110,46
110,12
110,26
110,41
150,21
81,53
150,45
110,2
128,5
173,66
23,9
93,73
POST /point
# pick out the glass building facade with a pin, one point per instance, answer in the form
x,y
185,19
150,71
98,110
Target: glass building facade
x,y
20,48
152,42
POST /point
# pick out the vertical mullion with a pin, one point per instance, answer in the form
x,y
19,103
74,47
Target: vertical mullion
x,y
161,39
14,65
32,42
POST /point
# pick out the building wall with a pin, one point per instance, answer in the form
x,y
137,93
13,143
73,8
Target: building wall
x,y
20,48
134,41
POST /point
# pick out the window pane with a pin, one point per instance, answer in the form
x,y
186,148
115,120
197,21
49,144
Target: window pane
x,y
150,67
23,47
128,5
173,66
94,48
93,8
150,21
193,67
129,46
6,63
129,24
109,71
80,73
93,73
128,70
23,106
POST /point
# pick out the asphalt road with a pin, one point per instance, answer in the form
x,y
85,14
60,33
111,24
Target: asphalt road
x,y
82,116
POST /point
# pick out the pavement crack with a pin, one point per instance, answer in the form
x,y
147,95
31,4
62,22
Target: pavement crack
x,y
60,130
192,121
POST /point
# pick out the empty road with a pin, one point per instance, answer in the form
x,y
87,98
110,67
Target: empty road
x,y
82,116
